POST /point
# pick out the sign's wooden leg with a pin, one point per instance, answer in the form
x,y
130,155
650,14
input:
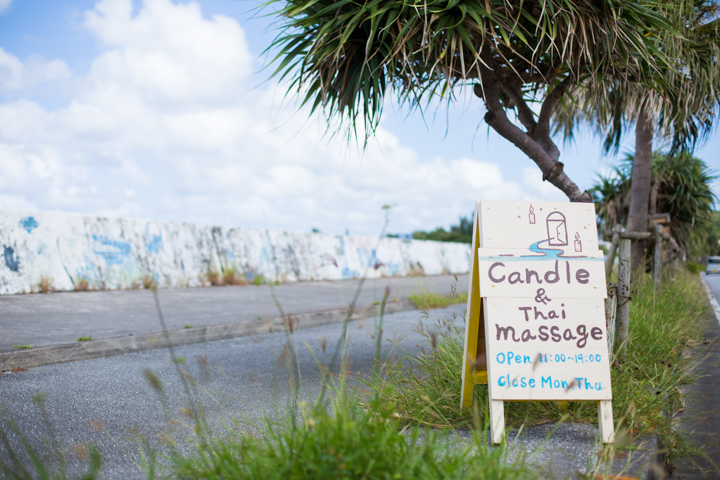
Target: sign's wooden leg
x,y
471,347
474,329
467,391
497,420
605,421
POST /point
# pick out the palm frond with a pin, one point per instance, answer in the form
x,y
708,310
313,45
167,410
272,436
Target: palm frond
x,y
345,57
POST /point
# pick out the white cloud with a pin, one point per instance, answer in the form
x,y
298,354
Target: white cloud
x,y
15,74
4,5
169,52
536,189
168,124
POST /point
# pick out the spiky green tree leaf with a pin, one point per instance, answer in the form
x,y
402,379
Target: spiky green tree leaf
x,y
346,57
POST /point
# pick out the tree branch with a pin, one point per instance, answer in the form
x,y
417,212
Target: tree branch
x,y
542,131
509,85
550,102
497,119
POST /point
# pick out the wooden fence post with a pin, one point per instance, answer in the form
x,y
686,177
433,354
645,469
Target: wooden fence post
x,y
657,260
611,254
675,264
623,295
611,315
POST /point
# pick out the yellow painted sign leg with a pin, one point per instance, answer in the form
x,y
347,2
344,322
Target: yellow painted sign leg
x,y
474,370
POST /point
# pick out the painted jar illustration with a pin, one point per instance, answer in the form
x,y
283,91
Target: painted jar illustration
x,y
557,230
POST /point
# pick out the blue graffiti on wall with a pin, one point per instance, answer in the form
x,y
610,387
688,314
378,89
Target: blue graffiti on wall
x,y
12,262
155,244
29,224
348,274
115,252
393,267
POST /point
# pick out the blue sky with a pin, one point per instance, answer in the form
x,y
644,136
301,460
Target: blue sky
x,y
162,109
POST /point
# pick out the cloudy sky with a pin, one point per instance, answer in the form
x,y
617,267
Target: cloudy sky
x,y
162,109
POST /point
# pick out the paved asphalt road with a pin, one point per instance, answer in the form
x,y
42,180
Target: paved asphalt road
x,y
243,376
59,318
701,417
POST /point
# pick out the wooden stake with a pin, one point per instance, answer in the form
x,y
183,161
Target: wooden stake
x,y
611,254
657,260
623,295
611,316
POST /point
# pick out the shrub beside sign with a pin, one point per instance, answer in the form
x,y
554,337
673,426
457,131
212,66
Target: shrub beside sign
x,y
536,317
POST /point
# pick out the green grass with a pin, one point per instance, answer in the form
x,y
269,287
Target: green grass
x,y
425,299
23,346
694,267
425,390
85,339
344,441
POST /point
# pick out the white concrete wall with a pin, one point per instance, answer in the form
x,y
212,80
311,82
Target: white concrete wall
x,y
116,252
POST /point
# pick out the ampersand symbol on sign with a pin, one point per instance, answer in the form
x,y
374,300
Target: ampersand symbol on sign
x,y
541,297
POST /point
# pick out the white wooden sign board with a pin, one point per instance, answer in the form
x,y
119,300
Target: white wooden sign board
x,y
536,318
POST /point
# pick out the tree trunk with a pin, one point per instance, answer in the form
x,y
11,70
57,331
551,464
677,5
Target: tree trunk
x,y
640,185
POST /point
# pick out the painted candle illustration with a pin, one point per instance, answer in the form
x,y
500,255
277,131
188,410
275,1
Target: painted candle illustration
x,y
531,215
557,230
578,243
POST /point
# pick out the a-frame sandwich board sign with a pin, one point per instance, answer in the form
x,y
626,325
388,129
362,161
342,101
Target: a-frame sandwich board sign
x,y
535,326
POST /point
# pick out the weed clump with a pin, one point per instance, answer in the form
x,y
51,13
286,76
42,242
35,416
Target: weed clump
x,y
82,285
416,270
231,276
694,267
213,277
343,440
148,281
425,299
228,276
45,284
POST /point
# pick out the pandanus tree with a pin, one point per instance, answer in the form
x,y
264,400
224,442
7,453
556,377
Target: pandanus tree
x,y
679,109
680,186
521,57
